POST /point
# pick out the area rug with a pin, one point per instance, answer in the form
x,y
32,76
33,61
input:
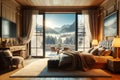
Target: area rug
x,y
39,69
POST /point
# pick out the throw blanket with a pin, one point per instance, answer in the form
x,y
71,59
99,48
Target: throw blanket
x,y
82,61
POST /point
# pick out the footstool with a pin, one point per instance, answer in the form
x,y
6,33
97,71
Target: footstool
x,y
53,63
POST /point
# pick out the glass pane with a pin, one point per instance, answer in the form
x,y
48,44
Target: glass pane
x,y
81,33
39,52
81,41
37,38
83,38
33,41
39,41
33,52
87,44
60,31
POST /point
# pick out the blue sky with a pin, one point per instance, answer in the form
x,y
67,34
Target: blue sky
x,y
58,20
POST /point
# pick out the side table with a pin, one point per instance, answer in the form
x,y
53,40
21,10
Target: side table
x,y
113,65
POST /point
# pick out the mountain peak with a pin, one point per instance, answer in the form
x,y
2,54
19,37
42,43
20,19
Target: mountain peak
x,y
68,28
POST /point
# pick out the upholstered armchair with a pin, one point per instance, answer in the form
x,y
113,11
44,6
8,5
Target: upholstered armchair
x,y
10,60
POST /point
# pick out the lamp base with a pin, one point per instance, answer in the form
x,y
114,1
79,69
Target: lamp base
x,y
117,56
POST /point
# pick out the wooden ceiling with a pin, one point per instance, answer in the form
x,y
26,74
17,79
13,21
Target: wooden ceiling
x,y
60,2
57,4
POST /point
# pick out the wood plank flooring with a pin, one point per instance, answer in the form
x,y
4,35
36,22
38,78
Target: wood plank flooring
x,y
6,75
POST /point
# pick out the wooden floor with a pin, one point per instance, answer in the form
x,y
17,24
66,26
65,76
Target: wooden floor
x,y
5,76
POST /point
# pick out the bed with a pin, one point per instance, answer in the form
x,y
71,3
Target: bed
x,y
100,54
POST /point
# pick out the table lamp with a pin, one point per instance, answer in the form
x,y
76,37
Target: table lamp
x,y
94,42
116,44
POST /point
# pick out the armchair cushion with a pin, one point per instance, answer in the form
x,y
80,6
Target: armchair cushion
x,y
7,53
17,60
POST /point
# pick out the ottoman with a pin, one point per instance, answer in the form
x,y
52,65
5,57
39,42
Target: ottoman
x,y
53,63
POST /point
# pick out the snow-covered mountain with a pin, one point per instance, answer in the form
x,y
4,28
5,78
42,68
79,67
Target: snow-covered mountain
x,y
68,28
65,28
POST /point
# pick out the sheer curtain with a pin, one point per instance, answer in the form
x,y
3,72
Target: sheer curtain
x,y
28,26
88,36
87,24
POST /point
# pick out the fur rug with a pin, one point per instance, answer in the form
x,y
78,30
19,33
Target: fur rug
x,y
39,69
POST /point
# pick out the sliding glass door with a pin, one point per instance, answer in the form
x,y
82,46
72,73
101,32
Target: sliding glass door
x,y
59,31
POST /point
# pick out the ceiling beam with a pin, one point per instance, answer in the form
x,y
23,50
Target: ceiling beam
x,y
60,8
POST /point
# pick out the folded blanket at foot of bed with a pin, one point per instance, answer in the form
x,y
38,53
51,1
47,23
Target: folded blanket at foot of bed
x,y
81,61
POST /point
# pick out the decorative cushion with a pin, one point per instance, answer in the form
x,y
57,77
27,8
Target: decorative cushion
x,y
7,53
107,52
90,50
94,51
100,51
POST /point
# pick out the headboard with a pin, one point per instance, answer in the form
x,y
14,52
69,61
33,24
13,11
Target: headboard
x,y
106,43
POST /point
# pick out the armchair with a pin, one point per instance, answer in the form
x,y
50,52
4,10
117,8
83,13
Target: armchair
x,y
9,60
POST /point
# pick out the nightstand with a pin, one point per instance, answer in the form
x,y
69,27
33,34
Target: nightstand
x,y
113,65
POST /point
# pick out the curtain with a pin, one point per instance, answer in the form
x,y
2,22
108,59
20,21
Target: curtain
x,y
28,25
101,28
87,23
87,28
93,20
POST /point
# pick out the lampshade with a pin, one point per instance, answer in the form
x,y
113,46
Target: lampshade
x,y
95,42
116,42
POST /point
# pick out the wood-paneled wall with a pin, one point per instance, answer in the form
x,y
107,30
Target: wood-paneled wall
x,y
10,10
106,8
